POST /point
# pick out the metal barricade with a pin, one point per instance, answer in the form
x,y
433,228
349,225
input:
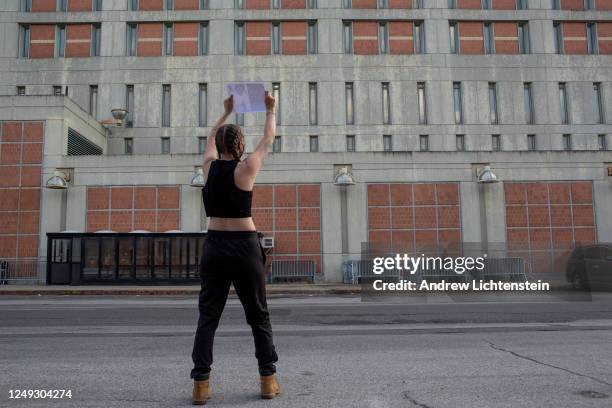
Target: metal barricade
x,y
510,268
292,270
358,271
21,271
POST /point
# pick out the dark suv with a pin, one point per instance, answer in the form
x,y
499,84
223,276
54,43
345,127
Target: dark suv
x,y
590,267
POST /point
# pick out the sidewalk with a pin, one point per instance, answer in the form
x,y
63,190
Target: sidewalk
x,y
171,290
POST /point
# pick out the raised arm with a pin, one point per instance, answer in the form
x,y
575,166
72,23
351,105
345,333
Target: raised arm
x,y
210,153
255,159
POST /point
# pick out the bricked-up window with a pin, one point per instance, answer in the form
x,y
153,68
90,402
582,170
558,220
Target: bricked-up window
x,y
558,29
276,38
202,105
460,142
312,103
21,90
531,143
350,143
349,103
60,40
24,40
62,5
493,103
277,144
567,141
128,146
168,39
523,38
386,104
528,103
454,38
97,5
422,103
489,44
276,93
387,143
457,102
592,38
129,105
166,105
239,38
564,111
312,38
383,38
424,143
202,140
601,142
496,143
132,5
314,143
348,37
26,5
93,100
203,39
165,145
132,40
96,40
599,104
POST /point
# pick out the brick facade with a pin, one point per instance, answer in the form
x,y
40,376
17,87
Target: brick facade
x,y
150,39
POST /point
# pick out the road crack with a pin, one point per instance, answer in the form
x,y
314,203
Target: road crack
x,y
406,395
533,360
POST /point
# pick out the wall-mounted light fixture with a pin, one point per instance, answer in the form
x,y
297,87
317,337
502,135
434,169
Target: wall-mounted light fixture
x,y
343,177
485,175
59,181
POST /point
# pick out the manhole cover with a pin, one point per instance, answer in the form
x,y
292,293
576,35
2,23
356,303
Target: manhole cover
x,y
593,394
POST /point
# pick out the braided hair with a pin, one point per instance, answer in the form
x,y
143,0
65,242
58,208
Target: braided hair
x,y
230,140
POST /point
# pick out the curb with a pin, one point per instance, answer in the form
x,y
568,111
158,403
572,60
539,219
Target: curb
x,y
168,292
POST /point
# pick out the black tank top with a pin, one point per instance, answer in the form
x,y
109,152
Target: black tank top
x,y
221,196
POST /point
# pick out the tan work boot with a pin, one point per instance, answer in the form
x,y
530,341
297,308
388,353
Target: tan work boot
x,y
269,387
200,392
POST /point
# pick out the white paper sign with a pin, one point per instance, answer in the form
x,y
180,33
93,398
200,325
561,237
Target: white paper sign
x,y
248,96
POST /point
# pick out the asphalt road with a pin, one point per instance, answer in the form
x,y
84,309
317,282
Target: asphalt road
x,y
334,352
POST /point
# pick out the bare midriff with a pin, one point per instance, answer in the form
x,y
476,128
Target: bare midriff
x,y
231,224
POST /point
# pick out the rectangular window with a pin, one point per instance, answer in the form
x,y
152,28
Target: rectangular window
x,y
58,90
486,4
166,105
21,90
202,105
239,4
165,145
276,93
277,144
424,143
386,104
417,4
96,39
589,4
383,38
202,140
129,105
128,145
203,4
496,143
24,40
460,142
387,143
523,38
93,100
493,103
528,103
592,38
314,143
350,103
558,27
276,4
457,102
97,5
350,143
418,38
454,38
567,142
312,103
132,40
276,38
62,5
348,37
601,141
132,5
168,39
599,101
489,42
203,39
556,4
531,143
347,4
60,40
563,103
239,118
168,4
521,4
26,5
313,40
452,4
312,4
422,103
239,38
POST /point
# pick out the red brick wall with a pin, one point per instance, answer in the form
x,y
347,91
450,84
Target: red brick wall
x,y
42,41
150,39
400,37
469,4
44,5
471,37
503,4
293,4
544,220
294,37
292,214
78,40
414,216
186,39
604,34
80,5
21,155
572,4
128,208
506,37
186,4
365,37
400,4
574,38
603,5
364,4
257,37
150,4
257,4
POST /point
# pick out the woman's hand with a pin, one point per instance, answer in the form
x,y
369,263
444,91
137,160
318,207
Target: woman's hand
x,y
228,104
269,101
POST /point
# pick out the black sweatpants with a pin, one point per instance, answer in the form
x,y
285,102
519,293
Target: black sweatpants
x,y
232,257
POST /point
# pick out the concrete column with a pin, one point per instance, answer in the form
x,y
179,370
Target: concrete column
x,y
191,208
331,237
602,199
76,208
470,212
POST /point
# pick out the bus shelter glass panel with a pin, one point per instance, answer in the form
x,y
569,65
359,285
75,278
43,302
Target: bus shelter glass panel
x,y
108,262
125,258
91,259
161,258
143,259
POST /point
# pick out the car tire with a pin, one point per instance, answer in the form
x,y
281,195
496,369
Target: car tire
x,y
579,282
